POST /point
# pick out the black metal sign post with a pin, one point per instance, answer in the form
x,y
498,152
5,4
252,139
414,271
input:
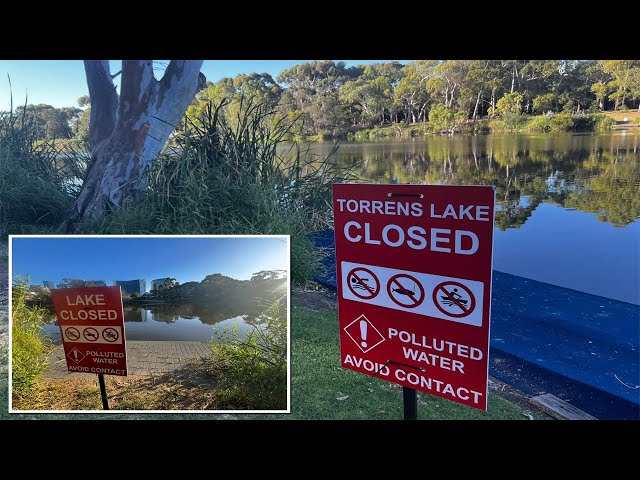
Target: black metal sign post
x,y
410,400
103,392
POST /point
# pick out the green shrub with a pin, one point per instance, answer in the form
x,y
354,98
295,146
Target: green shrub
x,y
514,121
593,123
510,104
441,118
543,103
29,345
251,373
562,122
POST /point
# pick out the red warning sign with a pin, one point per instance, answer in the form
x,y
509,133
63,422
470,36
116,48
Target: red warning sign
x,y
91,324
414,285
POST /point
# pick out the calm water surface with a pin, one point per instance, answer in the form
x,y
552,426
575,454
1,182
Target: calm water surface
x,y
568,206
175,323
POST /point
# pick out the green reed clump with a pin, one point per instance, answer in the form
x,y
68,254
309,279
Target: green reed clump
x,y
29,347
36,177
251,373
235,176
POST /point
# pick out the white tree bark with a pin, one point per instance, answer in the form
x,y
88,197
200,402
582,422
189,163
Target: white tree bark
x,y
128,131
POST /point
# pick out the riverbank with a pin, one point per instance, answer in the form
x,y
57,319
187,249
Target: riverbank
x,y
556,123
320,388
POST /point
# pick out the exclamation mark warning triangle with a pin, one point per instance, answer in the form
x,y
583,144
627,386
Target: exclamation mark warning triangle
x,y
364,334
76,355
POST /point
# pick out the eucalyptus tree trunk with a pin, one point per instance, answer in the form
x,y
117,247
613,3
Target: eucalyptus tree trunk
x,y
475,109
128,131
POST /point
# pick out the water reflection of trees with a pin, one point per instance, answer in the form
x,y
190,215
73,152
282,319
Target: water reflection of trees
x,y
592,173
208,314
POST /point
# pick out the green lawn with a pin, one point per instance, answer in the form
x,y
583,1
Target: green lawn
x,y
322,389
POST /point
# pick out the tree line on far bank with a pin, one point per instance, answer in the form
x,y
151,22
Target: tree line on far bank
x,y
328,98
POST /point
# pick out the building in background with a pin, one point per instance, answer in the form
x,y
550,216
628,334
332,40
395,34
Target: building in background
x,y
155,284
49,284
78,282
131,286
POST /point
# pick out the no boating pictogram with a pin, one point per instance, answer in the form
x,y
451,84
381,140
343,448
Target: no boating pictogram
x,y
405,290
110,334
363,283
454,299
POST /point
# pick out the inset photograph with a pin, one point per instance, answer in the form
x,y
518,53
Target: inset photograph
x,y
149,324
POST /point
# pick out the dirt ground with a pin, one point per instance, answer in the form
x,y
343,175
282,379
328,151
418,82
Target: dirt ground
x,y
317,297
183,389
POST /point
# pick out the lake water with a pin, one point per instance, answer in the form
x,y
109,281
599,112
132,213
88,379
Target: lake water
x,y
175,323
568,206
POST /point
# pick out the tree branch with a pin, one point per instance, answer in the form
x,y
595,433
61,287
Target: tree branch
x,y
177,68
104,100
136,87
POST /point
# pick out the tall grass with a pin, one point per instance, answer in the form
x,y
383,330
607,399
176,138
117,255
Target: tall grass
x,y
251,373
35,191
235,176
29,346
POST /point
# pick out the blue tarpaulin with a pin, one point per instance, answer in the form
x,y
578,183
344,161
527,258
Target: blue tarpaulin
x,y
582,348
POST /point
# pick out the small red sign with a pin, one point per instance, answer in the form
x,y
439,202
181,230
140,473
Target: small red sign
x,y
414,285
91,324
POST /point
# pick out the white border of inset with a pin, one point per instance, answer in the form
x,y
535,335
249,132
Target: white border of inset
x,y
287,238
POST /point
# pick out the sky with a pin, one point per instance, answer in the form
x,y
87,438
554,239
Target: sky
x,y
109,259
61,82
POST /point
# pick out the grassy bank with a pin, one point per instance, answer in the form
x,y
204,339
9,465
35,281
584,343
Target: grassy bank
x,y
320,387
562,122
241,373
632,116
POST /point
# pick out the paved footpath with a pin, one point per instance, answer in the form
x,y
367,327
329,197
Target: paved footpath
x,y
143,358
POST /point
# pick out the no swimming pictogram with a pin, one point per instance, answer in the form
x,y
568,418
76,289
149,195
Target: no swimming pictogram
x,y
72,333
363,283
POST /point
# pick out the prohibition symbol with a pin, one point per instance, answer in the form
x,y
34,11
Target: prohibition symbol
x,y
454,299
405,290
110,334
72,333
91,334
363,283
